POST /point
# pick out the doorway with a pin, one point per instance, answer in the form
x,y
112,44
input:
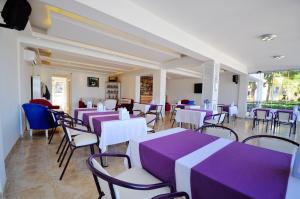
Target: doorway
x,y
60,93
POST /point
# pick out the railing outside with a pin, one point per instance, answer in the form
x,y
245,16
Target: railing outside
x,y
273,104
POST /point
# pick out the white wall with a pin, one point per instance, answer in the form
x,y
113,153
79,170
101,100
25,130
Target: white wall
x,y
228,90
178,89
78,80
9,94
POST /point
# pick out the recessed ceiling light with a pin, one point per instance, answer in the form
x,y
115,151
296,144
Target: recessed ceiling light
x,y
278,56
267,37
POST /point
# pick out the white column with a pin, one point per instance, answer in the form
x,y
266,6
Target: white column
x,y
137,97
259,92
243,92
159,87
211,83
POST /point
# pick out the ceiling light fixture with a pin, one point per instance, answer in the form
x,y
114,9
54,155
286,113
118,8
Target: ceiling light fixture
x,y
278,56
267,37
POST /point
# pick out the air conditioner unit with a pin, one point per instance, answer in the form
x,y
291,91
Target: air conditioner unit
x,y
29,56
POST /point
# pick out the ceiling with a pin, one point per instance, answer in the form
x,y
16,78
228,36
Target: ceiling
x,y
87,34
233,26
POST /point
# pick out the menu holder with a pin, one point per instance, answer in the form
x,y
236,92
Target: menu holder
x,y
123,114
89,104
100,107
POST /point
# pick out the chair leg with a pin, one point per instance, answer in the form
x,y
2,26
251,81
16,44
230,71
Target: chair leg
x,y
92,149
64,155
171,116
30,132
267,126
101,159
291,126
253,124
67,163
62,151
61,142
52,134
173,123
162,119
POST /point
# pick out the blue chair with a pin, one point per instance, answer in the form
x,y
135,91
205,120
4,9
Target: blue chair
x,y
38,117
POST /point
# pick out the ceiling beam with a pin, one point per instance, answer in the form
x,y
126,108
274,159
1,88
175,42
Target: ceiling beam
x,y
184,73
108,31
182,62
108,68
45,41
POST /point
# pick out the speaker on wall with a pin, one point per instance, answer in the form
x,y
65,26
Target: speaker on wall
x,y
15,14
235,79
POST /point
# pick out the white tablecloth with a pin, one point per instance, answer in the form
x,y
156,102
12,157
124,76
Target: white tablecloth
x,y
144,108
233,110
190,117
184,165
92,116
119,131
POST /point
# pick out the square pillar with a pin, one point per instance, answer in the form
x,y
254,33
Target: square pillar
x,y
243,92
159,87
211,83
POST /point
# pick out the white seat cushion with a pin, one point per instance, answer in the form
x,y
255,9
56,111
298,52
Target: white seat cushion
x,y
78,126
149,129
211,121
74,132
85,139
139,176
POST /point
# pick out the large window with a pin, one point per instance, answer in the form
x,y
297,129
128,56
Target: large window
x,y
280,90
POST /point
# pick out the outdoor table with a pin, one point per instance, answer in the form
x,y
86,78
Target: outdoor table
x,y
206,166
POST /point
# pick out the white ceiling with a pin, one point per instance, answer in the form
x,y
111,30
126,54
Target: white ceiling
x,y
233,26
96,35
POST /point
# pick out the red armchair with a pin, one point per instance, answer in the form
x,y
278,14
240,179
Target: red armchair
x,y
44,102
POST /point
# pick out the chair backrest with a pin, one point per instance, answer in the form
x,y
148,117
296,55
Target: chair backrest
x,y
56,115
273,142
219,131
222,118
261,114
219,117
41,102
220,109
284,116
150,119
102,182
110,104
38,116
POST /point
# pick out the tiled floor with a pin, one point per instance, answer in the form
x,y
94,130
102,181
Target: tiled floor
x,y
33,173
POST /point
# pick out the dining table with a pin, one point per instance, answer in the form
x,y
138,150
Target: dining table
x,y
192,116
205,166
78,112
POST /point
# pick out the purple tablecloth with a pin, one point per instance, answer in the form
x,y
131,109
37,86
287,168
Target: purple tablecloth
x,y
85,116
242,171
98,120
81,109
158,156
